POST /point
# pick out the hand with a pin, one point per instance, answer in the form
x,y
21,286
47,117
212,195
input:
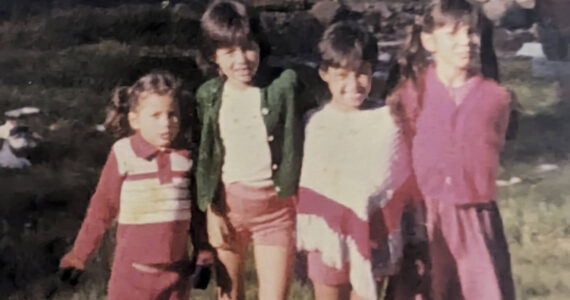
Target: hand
x,y
205,257
69,260
219,231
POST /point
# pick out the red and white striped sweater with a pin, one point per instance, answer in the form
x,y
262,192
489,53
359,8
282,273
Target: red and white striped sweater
x,y
147,191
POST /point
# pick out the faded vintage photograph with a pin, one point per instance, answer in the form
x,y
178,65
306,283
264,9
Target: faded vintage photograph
x,y
284,149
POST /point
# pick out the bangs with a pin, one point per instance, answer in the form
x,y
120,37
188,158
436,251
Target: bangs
x,y
228,26
347,46
351,59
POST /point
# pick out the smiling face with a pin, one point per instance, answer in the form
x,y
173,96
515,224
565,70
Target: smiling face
x,y
156,118
348,87
451,46
238,63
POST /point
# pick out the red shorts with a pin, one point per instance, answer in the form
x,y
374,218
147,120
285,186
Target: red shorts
x,y
257,214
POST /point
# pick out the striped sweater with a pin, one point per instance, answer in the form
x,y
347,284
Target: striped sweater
x,y
354,167
147,191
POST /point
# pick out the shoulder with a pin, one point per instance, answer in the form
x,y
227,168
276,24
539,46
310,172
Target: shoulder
x,y
285,80
383,117
121,145
209,88
315,115
495,93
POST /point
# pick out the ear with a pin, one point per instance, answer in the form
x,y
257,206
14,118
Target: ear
x,y
428,41
324,75
133,121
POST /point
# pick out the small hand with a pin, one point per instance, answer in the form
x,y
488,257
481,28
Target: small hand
x,y
205,257
219,231
70,260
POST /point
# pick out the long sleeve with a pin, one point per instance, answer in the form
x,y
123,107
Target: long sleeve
x,y
103,209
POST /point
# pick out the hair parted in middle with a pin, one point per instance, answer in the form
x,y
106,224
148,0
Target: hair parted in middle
x,y
347,44
229,23
414,58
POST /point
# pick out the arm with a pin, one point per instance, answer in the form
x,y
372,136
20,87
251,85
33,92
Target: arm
x,y
102,210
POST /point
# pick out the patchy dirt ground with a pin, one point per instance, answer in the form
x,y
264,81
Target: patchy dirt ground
x,y
66,62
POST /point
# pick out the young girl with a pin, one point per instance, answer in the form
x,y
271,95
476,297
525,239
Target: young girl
x,y
249,154
456,121
355,177
144,185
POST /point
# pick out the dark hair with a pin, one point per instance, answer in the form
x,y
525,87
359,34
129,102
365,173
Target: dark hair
x,y
126,99
228,23
414,58
347,44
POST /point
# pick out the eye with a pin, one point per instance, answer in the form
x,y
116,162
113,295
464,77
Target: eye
x,y
173,116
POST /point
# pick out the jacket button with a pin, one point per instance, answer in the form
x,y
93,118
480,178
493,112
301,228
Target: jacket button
x,y
274,167
265,111
277,189
270,138
448,180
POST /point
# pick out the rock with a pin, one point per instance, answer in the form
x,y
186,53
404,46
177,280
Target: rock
x,y
189,10
527,4
382,8
543,68
496,9
326,11
533,49
511,181
546,168
516,17
21,112
9,160
292,34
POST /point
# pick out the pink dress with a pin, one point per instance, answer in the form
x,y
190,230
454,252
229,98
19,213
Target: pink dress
x,y
459,134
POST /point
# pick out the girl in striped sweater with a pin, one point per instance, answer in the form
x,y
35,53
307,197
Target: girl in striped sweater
x,y
145,186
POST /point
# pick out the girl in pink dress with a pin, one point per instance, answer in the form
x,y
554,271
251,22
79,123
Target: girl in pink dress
x,y
455,120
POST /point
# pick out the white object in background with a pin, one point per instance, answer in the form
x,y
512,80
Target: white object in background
x,y
384,57
533,49
546,168
100,127
9,160
23,111
511,181
6,128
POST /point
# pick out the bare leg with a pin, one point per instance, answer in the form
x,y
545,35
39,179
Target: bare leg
x,y
332,292
230,268
274,266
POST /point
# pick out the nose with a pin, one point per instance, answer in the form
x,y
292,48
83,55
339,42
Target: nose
x,y
164,121
463,37
352,81
239,55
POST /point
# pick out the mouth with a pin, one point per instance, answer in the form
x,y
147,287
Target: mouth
x,y
165,136
355,96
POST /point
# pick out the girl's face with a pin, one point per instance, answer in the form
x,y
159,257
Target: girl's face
x,y
238,63
348,87
156,119
450,46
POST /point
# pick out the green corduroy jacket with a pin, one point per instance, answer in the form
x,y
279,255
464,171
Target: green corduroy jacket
x,y
283,121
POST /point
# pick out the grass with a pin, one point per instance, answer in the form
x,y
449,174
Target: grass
x,y
67,61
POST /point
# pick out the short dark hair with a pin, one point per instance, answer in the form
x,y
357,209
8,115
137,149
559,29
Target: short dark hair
x,y
228,23
347,44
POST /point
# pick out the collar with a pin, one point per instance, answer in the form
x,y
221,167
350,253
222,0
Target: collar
x,y
458,94
145,150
